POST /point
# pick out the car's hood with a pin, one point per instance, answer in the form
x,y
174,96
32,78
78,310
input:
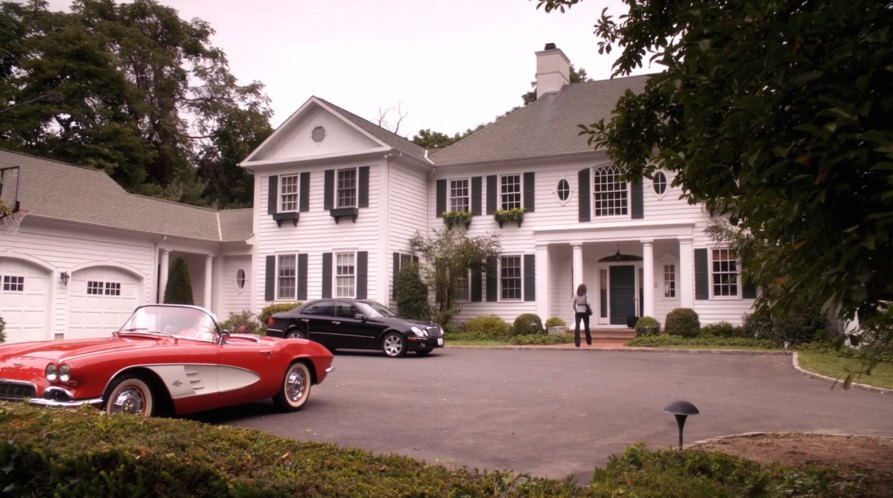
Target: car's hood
x,y
405,322
60,350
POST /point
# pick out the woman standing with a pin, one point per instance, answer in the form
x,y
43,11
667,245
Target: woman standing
x,y
581,312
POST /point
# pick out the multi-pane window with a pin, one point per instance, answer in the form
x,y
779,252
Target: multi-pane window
x,y
510,191
94,288
13,283
459,195
669,280
288,193
113,288
98,288
510,277
345,274
286,277
610,192
725,272
660,183
463,286
346,192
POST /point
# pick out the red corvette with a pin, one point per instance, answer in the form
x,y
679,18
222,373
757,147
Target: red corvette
x,y
165,360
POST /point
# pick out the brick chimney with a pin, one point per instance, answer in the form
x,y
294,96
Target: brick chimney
x,y
553,70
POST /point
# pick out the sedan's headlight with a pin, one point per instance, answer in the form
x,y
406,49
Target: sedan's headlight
x,y
419,332
51,372
65,372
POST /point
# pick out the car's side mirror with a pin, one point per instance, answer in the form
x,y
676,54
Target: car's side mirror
x,y
224,335
360,316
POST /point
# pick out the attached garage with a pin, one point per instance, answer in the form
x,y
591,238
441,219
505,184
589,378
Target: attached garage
x,y
24,300
100,300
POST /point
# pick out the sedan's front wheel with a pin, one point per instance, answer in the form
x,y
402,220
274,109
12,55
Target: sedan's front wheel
x,y
295,388
130,394
393,345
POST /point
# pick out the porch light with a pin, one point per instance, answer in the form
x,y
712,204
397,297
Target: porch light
x,y
65,277
681,409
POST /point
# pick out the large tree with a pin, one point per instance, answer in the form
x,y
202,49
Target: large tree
x,y
776,114
130,88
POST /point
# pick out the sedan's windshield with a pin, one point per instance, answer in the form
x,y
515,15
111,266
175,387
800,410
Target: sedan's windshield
x,y
373,309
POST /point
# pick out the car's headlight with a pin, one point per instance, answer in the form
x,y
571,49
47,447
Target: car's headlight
x,y
419,332
51,372
65,372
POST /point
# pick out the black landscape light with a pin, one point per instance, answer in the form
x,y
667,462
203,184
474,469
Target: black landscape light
x,y
681,409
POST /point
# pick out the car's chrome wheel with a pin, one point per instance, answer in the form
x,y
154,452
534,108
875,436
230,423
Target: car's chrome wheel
x,y
393,345
130,395
295,334
295,388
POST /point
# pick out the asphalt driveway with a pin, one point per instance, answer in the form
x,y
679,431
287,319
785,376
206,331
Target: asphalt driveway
x,y
554,413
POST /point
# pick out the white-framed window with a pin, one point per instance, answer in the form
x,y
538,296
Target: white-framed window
x,y
288,193
659,182
610,193
98,288
13,283
463,288
510,191
241,278
345,274
346,188
510,278
563,190
94,288
113,288
286,277
725,272
669,280
460,195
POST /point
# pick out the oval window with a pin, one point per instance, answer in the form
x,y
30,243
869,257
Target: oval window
x,y
564,189
660,183
240,278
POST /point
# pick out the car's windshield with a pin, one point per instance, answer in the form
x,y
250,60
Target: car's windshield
x,y
178,321
373,309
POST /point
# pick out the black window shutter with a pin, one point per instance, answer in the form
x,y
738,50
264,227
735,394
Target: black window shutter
x,y
529,277
441,198
476,192
305,192
583,188
302,276
638,200
492,185
362,273
270,282
749,290
529,188
329,191
273,195
477,285
492,287
702,278
363,199
395,263
327,275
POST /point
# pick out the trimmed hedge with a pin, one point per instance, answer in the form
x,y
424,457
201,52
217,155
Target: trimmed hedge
x,y
683,321
528,324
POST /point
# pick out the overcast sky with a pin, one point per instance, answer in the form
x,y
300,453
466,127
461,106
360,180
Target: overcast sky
x,y
447,65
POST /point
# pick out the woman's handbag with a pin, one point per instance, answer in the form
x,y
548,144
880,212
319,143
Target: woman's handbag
x,y
588,310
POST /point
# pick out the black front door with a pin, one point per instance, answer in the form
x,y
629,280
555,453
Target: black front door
x,y
623,293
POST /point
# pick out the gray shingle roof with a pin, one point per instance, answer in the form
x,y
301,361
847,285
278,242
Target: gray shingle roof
x,y
547,127
65,192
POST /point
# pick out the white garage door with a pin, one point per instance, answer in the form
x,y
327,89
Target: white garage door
x,y
100,300
24,300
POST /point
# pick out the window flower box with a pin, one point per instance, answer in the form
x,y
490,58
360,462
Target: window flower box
x,y
292,216
514,215
456,218
348,212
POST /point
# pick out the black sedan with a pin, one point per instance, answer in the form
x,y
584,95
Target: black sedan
x,y
356,324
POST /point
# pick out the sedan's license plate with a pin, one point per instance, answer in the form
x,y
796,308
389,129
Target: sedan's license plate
x,y
440,341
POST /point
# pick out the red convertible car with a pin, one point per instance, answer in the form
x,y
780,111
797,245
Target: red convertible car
x,y
165,360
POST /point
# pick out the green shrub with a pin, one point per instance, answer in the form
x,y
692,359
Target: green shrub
x,y
647,325
758,326
489,325
542,339
179,286
802,323
722,329
2,330
684,322
555,322
243,323
666,340
527,324
275,308
412,294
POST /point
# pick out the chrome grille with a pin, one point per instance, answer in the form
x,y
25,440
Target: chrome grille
x,y
16,390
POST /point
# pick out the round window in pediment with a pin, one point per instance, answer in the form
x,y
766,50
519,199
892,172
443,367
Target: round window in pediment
x,y
318,134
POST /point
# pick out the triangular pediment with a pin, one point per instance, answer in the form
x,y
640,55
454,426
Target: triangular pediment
x,y
315,131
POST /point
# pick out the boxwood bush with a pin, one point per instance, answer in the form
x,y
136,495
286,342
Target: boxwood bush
x,y
487,326
527,324
684,322
722,329
647,325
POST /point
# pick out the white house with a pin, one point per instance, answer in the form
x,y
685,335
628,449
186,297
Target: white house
x,y
337,199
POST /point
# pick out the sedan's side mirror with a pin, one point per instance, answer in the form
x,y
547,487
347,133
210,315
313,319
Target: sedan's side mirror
x,y
360,316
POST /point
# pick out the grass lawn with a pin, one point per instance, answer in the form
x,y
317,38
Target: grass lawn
x,y
839,368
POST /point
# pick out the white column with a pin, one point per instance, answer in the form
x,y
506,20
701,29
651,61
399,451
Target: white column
x,y
648,277
543,277
209,279
165,269
686,274
578,263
